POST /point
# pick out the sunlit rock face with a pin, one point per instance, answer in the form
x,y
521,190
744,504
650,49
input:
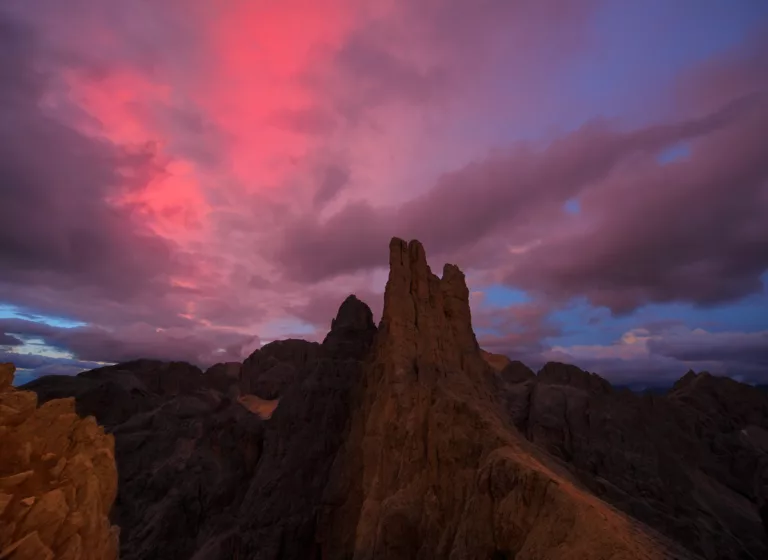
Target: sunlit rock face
x,y
58,479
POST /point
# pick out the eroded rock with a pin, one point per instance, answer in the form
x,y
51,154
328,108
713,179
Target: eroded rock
x,y
57,480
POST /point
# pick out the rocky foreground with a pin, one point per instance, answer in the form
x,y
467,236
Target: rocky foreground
x,y
58,480
402,441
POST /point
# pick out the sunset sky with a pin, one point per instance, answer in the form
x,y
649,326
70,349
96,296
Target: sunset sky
x,y
188,179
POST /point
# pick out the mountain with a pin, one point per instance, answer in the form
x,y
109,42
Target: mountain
x,y
407,440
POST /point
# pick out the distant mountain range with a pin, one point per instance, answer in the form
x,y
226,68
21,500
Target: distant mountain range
x,y
405,440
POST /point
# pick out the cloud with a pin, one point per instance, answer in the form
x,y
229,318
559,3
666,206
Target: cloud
x,y
35,365
9,340
143,341
743,349
159,141
690,231
517,192
59,186
89,343
27,328
662,355
516,330
334,179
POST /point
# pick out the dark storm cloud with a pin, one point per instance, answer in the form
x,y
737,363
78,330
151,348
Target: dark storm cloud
x,y
732,347
9,340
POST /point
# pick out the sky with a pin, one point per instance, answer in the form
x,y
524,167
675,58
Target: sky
x,y
190,179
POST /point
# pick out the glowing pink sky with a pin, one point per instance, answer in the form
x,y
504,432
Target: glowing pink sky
x,y
183,179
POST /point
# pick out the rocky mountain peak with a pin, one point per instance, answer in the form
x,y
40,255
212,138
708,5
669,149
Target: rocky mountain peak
x,y
352,331
426,324
430,469
555,373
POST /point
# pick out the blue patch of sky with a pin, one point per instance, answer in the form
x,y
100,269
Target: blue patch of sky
x,y
23,376
8,311
572,206
497,295
34,344
747,315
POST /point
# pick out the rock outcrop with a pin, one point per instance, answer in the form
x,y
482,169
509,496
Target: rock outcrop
x,y
431,470
58,480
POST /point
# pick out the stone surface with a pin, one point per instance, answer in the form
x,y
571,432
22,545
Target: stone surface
x,y
276,366
57,476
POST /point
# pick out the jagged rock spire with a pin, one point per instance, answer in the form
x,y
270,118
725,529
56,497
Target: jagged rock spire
x,y
426,319
430,469
352,331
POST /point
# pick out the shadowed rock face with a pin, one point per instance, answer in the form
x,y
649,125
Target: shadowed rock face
x,y
183,451
275,366
162,378
692,463
284,500
352,331
57,480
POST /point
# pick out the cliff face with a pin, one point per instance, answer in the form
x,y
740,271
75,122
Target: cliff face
x,y
431,470
57,480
